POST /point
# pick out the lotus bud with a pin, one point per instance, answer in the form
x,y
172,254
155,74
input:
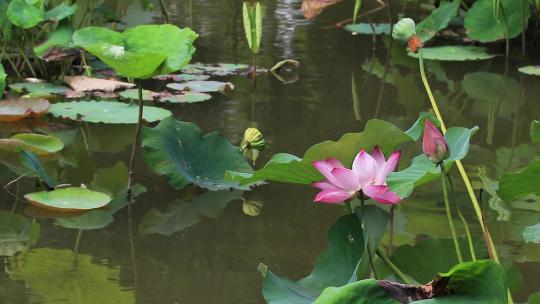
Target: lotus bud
x,y
253,139
434,145
252,154
404,29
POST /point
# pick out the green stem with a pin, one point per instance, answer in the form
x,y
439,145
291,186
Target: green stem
x,y
136,139
369,250
77,242
449,215
485,232
348,207
254,57
164,11
523,38
393,267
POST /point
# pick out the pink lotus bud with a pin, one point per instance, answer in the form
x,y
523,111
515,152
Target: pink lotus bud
x,y
434,145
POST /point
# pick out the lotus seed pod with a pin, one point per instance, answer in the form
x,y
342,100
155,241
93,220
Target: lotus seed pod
x,y
253,139
404,29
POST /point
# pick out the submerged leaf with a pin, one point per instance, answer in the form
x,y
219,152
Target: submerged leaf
x,y
336,266
106,112
12,110
68,199
179,151
181,215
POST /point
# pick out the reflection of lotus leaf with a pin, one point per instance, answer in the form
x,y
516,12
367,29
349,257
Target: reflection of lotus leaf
x,y
202,86
60,276
36,143
16,233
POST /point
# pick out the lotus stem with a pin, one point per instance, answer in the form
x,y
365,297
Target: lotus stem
x,y
449,215
393,267
523,38
348,207
485,232
164,11
506,34
464,221
135,144
391,234
254,60
364,224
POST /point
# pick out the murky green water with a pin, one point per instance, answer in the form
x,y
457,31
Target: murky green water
x,y
215,260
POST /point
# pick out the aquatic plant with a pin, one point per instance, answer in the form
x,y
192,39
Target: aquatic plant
x,y
252,16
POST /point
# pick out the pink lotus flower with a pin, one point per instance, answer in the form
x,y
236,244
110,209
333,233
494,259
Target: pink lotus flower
x,y
433,144
368,175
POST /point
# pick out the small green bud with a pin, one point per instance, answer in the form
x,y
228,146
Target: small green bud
x,y
404,29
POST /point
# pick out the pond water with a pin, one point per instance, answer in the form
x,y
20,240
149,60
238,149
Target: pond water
x,y
213,257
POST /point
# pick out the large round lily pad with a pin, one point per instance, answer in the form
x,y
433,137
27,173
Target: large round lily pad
x,y
530,70
139,52
69,199
36,143
202,86
17,109
38,88
483,25
106,112
179,151
454,53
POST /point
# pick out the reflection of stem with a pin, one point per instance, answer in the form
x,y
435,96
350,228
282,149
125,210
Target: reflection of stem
x,y
449,216
164,11
463,220
491,123
135,143
506,34
393,267
76,248
369,251
132,252
254,57
356,100
487,237
391,241
18,191
516,120
383,81
522,12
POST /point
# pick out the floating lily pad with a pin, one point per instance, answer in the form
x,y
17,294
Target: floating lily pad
x,y
38,88
36,143
85,84
530,70
482,24
182,77
181,215
69,199
179,151
454,53
369,29
186,97
106,112
202,86
18,109
134,94
438,20
142,51
217,69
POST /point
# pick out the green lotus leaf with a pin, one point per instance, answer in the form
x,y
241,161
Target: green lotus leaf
x,y
61,11
483,25
531,234
60,37
535,131
481,282
530,70
186,97
38,88
202,86
438,20
179,151
369,29
25,14
454,53
36,143
519,184
336,266
69,199
288,168
181,215
56,276
111,180
106,112
139,52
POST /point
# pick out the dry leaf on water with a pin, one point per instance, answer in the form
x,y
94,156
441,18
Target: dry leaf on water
x,y
313,8
86,84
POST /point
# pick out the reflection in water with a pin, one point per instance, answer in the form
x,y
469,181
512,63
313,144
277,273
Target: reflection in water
x,y
288,17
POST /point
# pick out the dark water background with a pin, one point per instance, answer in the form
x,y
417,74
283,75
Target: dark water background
x,y
215,260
